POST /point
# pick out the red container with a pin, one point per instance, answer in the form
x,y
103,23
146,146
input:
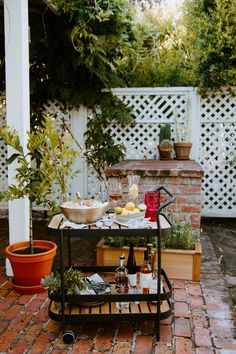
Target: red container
x,y
152,201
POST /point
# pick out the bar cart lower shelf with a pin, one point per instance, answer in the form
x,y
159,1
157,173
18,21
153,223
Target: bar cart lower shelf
x,y
103,308
108,308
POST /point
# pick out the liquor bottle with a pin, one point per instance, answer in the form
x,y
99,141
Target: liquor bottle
x,y
154,283
131,266
146,270
121,282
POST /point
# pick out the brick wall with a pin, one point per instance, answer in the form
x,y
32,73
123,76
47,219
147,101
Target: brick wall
x,y
182,178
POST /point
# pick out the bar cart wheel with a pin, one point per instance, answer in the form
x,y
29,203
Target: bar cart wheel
x,y
68,337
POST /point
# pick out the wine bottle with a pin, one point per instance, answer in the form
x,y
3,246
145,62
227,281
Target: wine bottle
x,y
131,266
146,270
121,282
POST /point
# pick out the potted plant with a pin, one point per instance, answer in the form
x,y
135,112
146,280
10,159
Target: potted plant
x,y
73,282
48,161
182,144
165,145
181,251
165,149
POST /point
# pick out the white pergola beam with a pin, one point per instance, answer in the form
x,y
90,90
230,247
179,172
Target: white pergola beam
x,y
17,102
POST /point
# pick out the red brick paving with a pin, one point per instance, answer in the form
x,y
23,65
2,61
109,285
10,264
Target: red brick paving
x,y
203,322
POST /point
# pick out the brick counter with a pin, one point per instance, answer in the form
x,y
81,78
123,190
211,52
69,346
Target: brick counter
x,y
182,178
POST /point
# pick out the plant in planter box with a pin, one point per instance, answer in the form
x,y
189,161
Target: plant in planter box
x,y
182,144
48,161
181,251
182,236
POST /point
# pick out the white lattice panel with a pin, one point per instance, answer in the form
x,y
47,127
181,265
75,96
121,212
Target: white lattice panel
x,y
217,143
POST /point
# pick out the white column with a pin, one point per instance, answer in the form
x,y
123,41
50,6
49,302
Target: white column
x,y
17,100
78,127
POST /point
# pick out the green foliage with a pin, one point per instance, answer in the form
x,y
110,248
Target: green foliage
x,y
73,282
181,238
48,159
210,37
165,132
73,57
157,56
123,241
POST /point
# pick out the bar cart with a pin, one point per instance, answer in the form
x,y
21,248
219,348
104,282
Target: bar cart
x,y
103,307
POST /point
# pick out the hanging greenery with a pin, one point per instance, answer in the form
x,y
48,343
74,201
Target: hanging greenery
x,y
73,55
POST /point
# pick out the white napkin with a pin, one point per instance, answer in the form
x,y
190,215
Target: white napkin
x,y
139,223
73,225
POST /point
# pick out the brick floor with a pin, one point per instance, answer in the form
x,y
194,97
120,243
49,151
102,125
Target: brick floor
x,y
203,322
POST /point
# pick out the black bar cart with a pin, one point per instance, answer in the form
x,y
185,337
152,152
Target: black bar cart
x,y
76,308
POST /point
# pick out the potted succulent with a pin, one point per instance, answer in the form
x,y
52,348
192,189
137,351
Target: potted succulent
x,y
182,144
165,149
165,145
47,162
181,251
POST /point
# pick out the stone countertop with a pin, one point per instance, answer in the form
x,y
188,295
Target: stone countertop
x,y
160,168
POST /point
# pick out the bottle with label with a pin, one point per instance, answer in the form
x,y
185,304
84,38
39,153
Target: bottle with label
x,y
154,283
146,270
131,267
121,283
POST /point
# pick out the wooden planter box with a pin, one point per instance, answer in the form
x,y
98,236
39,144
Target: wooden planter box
x,y
178,264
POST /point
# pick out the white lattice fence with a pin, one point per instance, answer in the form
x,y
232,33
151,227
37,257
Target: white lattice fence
x,y
213,135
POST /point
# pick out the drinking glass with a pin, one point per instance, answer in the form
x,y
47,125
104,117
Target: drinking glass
x,y
114,192
133,181
152,201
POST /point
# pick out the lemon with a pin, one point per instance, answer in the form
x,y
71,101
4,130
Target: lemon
x,y
118,210
142,207
130,206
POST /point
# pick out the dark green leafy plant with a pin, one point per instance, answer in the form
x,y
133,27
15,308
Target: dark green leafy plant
x,y
73,282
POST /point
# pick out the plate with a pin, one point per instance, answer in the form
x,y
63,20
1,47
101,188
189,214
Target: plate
x,y
127,217
139,223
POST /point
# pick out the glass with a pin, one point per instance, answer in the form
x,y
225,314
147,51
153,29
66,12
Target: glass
x,y
114,192
133,181
152,201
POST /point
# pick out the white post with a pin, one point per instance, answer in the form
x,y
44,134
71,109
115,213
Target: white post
x,y
78,127
17,100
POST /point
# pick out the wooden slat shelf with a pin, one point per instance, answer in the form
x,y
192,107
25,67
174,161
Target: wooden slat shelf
x,y
106,308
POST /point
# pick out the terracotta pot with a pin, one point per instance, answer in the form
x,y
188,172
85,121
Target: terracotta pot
x,y
29,269
182,150
165,153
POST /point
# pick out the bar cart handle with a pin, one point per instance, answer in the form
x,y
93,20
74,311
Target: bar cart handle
x,y
169,201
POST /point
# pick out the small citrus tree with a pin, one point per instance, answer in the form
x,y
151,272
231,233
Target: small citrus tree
x,y
49,159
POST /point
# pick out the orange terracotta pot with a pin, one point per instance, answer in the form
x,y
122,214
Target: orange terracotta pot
x,y
182,150
29,269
